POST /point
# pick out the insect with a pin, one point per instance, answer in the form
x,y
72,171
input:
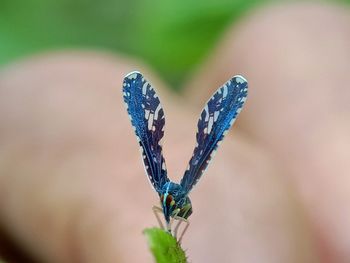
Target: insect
x,y
147,118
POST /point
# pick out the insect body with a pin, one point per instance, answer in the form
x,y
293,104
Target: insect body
x,y
147,118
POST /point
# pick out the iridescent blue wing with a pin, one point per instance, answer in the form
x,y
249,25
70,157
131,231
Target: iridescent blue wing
x,y
147,118
217,117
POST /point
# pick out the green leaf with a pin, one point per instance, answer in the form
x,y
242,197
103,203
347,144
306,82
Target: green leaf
x,y
164,246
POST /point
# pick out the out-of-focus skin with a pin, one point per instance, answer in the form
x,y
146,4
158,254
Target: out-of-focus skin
x,y
297,61
72,186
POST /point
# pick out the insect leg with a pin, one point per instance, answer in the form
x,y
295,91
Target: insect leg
x,y
174,215
177,226
156,211
181,219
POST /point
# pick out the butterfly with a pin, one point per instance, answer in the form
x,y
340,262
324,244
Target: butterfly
x,y
147,118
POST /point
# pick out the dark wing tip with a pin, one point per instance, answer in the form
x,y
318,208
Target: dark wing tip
x,y
240,85
241,81
133,75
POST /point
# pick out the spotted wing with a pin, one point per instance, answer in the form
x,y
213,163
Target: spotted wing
x,y
147,118
217,117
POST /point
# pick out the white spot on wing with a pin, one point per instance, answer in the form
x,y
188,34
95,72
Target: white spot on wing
x,y
210,124
225,92
144,88
206,112
157,112
232,121
240,79
216,115
132,75
150,122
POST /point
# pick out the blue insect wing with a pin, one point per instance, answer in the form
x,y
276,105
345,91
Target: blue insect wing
x,y
147,118
216,118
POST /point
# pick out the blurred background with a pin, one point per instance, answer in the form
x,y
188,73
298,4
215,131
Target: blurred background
x,y
175,38
171,36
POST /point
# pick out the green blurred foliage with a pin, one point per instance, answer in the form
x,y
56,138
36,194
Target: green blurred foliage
x,y
171,36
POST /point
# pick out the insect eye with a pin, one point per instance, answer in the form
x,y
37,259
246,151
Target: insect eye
x,y
168,200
